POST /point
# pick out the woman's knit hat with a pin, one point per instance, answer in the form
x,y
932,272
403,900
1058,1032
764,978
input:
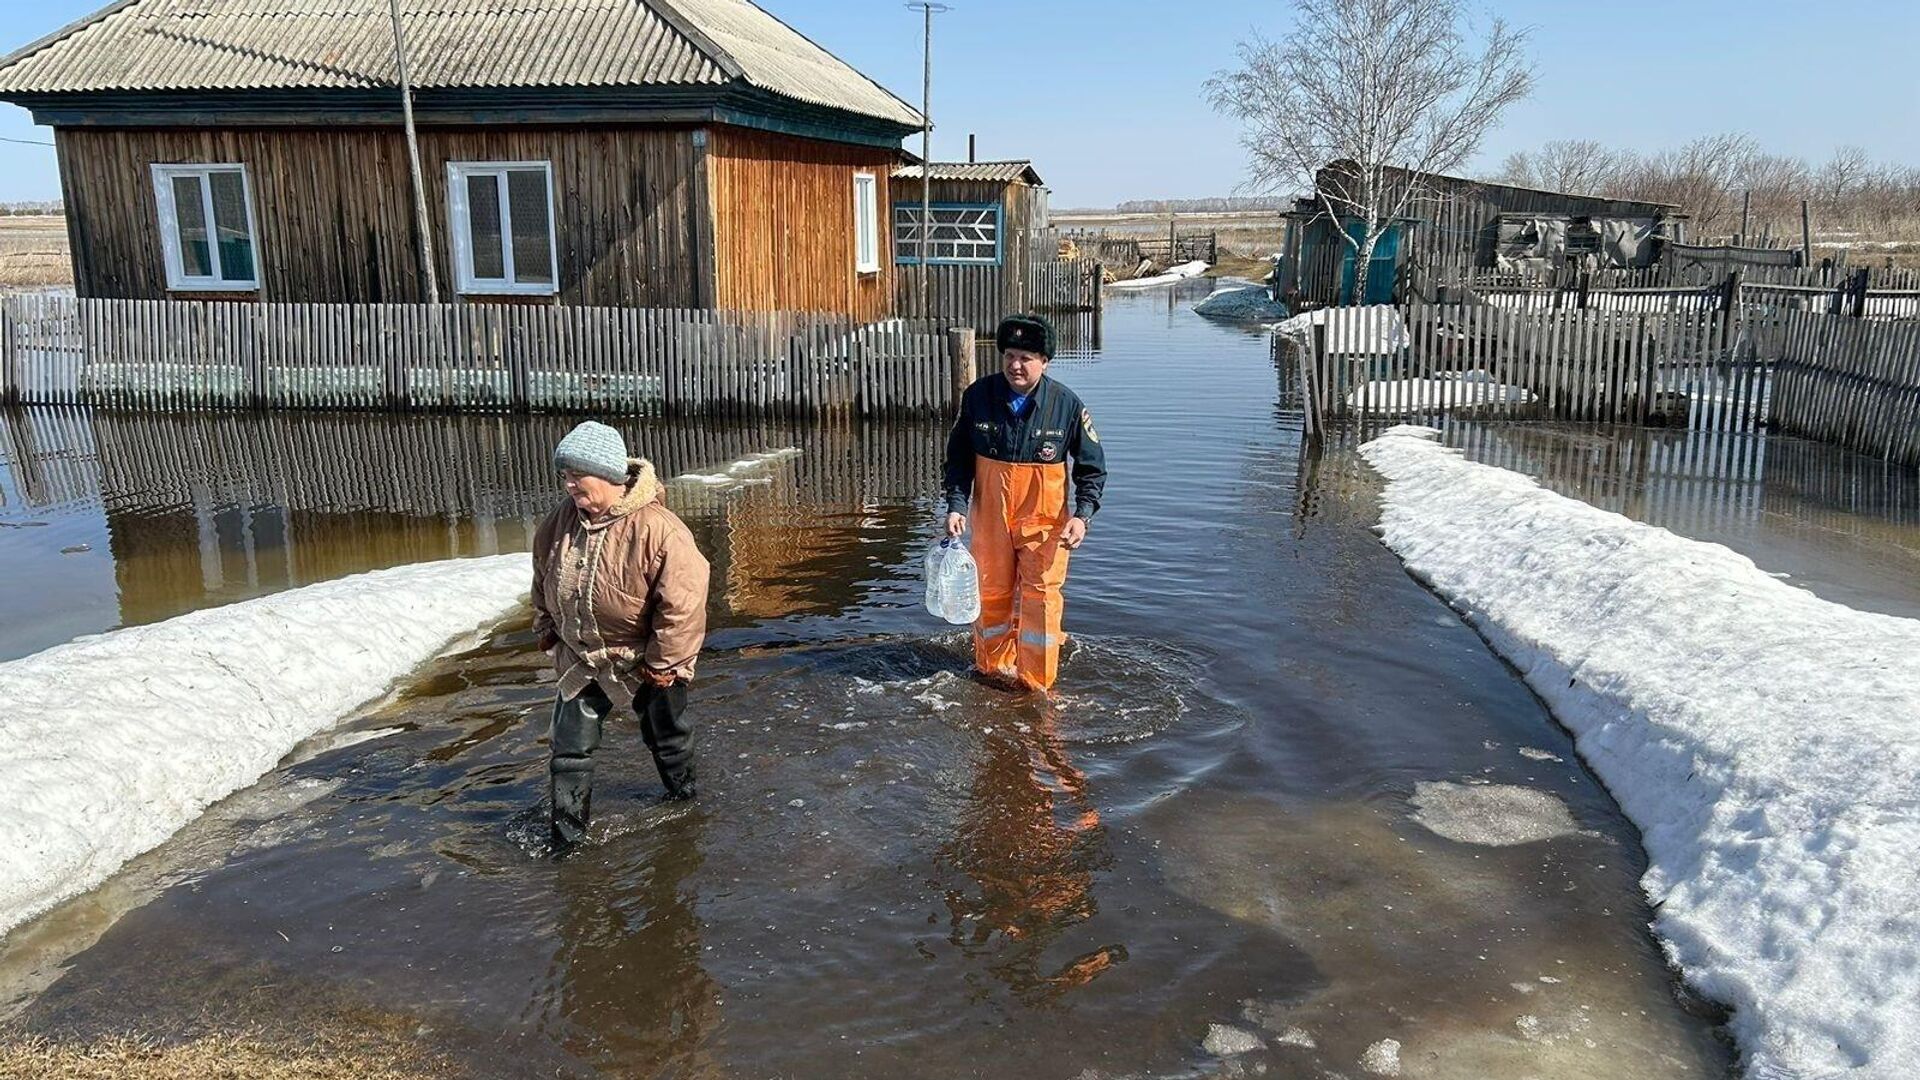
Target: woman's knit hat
x,y
595,449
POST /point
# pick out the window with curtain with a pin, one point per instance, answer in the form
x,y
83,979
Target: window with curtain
x,y
501,215
206,227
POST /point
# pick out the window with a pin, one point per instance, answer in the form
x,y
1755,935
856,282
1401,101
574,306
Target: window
x,y
962,233
866,224
502,231
206,227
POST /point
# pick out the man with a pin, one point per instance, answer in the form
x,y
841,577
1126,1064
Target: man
x,y
1008,456
620,603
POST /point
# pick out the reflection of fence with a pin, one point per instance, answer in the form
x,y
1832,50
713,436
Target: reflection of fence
x,y
434,466
193,354
1854,382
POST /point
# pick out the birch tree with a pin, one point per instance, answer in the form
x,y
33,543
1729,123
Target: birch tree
x,y
1391,91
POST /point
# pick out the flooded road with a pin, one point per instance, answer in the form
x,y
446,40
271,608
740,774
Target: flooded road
x,y
1287,813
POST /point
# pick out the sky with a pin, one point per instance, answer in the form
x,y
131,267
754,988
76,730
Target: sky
x,y
1105,95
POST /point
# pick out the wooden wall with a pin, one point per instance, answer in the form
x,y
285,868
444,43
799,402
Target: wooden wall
x,y
783,224
333,208
974,294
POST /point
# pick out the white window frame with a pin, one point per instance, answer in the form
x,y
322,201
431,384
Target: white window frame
x,y
178,280
460,225
866,223
911,211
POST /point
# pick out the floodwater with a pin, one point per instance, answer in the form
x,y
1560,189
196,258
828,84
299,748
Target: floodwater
x,y
1282,788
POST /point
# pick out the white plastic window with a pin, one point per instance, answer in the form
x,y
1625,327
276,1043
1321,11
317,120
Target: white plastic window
x,y
206,227
502,226
866,223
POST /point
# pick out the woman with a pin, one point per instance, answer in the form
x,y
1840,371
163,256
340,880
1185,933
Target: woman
x,y
620,603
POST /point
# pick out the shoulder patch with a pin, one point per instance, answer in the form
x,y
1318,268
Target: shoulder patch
x,y
1086,426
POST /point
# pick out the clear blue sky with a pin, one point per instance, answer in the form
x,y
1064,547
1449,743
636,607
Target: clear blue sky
x,y
1105,96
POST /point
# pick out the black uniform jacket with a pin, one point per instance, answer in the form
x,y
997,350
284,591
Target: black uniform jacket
x,y
1054,427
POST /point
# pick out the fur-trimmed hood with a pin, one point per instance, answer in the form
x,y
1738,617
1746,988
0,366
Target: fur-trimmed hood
x,y
643,487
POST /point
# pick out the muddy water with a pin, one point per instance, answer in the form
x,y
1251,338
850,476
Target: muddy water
x,y
1282,788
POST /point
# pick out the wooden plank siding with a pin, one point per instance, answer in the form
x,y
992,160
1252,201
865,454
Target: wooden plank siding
x,y
973,294
783,229
333,208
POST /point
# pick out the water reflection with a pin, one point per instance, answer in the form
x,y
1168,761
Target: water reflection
x,y
1031,841
628,991
174,513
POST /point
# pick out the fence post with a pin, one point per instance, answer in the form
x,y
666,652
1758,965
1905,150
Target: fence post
x,y
1729,301
1857,293
9,373
959,362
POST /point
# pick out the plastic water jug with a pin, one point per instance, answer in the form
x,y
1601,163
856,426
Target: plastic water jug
x,y
953,581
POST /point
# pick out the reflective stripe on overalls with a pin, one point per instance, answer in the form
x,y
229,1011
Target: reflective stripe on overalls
x,y
1016,516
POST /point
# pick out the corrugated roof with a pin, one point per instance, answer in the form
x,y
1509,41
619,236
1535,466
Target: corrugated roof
x,y
1005,172
189,45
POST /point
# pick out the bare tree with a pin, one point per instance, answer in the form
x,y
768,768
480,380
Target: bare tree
x,y
1389,90
1577,167
1842,177
1776,184
1701,177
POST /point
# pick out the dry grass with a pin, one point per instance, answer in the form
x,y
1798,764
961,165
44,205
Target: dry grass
x,y
33,252
373,1056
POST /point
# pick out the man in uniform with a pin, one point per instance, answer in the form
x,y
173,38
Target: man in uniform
x,y
1008,458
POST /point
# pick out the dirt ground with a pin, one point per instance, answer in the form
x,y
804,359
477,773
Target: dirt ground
x,y
33,251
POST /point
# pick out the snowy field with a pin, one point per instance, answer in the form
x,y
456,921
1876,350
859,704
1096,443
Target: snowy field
x,y
1766,742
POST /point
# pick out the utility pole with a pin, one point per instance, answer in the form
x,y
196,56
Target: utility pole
x,y
421,221
928,10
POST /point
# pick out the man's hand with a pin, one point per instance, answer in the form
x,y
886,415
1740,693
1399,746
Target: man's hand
x,y
956,524
1073,533
661,679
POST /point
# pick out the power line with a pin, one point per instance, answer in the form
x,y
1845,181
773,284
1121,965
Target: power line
x,y
25,142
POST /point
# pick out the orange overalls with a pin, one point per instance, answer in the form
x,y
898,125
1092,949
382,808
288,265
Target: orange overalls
x,y
1017,513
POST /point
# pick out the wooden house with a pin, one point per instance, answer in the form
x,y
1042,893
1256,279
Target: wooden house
x,y
989,229
642,153
1456,226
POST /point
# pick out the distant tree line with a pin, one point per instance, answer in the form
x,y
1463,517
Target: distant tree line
x,y
1710,176
36,209
1221,205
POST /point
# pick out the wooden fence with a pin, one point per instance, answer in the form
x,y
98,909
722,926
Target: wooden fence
x,y
1854,382
403,357
979,295
1124,252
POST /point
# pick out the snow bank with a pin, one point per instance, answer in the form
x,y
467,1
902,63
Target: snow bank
x,y
1371,330
1449,390
108,744
1765,741
1241,300
1176,273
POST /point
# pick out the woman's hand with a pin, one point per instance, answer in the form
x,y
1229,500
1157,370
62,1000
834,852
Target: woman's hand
x,y
660,679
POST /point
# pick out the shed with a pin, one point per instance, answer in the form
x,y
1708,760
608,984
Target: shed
x,y
1461,225
989,227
